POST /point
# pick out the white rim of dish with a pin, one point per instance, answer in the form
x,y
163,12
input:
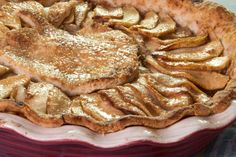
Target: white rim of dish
x,y
78,134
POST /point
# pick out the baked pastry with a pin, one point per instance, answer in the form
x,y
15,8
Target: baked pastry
x,y
107,65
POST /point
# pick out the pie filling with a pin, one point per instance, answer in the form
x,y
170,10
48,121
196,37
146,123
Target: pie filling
x,y
105,68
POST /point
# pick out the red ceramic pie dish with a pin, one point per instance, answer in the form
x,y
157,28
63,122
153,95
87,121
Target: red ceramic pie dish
x,y
20,137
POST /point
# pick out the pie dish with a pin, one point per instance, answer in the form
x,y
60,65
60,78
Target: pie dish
x,y
194,133
107,65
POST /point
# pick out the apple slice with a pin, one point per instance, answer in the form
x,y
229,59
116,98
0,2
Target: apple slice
x,y
201,78
131,17
208,51
154,44
7,85
104,13
149,22
44,98
58,12
181,32
166,25
217,63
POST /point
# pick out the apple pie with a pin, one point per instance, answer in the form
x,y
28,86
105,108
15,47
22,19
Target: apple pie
x,y
107,65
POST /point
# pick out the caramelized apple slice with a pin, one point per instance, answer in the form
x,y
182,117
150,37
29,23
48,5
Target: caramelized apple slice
x,y
36,96
77,110
181,32
162,101
171,92
129,96
149,22
23,109
115,98
180,84
98,108
201,78
7,85
154,44
217,63
166,25
58,12
131,17
57,103
45,98
208,51
144,96
108,13
81,11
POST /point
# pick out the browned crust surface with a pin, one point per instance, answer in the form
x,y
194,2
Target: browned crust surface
x,y
200,18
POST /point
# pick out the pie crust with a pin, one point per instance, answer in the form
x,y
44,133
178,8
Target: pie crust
x,y
201,18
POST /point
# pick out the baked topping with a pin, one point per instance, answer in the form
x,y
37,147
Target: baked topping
x,y
131,17
7,85
196,54
164,27
149,22
106,68
67,61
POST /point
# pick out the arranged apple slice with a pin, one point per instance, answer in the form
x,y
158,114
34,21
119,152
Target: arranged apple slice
x,y
7,85
129,96
214,64
180,32
131,17
201,78
104,13
166,103
166,25
154,44
118,102
208,51
44,98
58,12
96,108
149,22
170,81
